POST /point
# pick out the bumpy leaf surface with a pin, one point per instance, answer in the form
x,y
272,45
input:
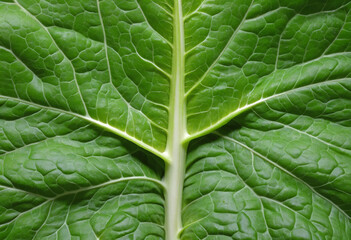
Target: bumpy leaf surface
x,y
94,94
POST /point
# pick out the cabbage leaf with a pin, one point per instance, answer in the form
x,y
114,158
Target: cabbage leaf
x,y
162,119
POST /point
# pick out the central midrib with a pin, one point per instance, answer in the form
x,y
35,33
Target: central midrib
x,y
176,150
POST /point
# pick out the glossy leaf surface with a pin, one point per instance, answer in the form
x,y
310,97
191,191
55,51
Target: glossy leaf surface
x,y
108,107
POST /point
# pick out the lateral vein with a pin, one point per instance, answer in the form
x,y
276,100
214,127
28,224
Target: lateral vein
x,y
105,126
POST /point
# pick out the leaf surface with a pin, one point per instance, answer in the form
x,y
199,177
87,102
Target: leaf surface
x,y
173,120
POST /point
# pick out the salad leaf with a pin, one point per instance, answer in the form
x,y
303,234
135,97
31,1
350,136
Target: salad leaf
x,y
164,119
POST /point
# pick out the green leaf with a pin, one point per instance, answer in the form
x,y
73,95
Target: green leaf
x,y
63,177
163,119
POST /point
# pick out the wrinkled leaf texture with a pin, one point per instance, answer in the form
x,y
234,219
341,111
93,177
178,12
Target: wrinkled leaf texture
x,y
85,103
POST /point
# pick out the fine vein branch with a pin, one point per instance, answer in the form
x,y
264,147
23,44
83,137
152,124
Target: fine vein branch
x,y
176,151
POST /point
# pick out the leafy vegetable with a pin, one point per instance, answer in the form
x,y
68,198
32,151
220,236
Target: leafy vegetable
x,y
212,119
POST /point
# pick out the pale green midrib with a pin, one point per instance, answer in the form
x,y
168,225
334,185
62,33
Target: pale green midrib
x,y
102,125
176,150
144,178
283,170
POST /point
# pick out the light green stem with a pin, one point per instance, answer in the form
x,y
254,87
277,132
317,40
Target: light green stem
x,y
174,183
174,175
